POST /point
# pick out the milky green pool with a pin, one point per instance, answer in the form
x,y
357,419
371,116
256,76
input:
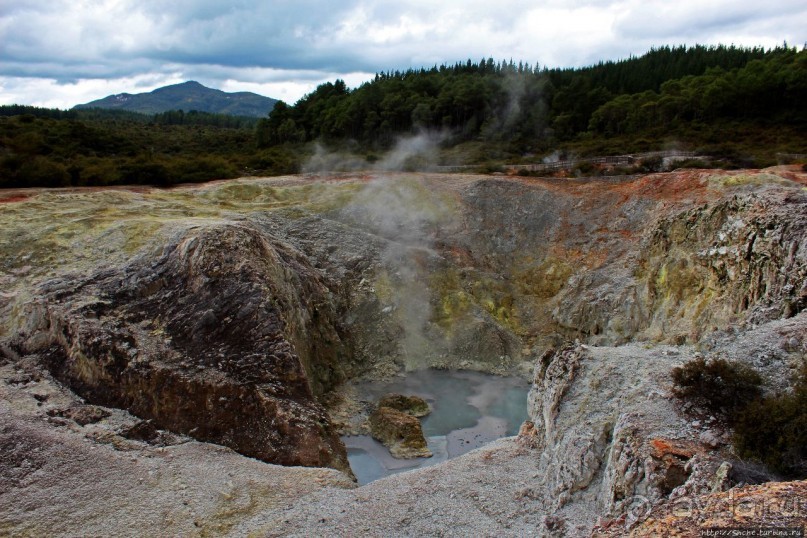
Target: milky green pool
x,y
469,410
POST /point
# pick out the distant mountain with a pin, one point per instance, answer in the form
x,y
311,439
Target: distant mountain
x,y
188,96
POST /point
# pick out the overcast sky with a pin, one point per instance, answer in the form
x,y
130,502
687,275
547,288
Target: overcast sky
x,y
58,53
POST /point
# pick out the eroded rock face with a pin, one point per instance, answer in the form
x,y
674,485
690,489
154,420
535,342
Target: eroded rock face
x,y
697,271
400,432
226,337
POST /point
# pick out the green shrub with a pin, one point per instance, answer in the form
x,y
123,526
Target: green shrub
x,y
198,169
275,161
650,164
691,163
586,169
721,386
416,163
770,430
86,171
145,173
774,431
488,168
42,172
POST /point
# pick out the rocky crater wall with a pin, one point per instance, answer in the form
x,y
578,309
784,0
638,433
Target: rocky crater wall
x,y
704,269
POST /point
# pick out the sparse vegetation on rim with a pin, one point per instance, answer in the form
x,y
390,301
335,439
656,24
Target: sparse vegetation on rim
x,y
769,429
773,430
721,386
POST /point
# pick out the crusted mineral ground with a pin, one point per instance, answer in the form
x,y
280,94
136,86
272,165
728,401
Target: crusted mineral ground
x,y
154,342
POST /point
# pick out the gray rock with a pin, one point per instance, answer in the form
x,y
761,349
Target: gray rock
x,y
709,439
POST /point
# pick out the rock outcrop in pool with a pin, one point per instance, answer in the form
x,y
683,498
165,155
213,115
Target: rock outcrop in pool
x,y
400,432
467,411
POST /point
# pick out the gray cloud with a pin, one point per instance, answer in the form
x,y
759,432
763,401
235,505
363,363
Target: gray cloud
x,y
699,20
263,44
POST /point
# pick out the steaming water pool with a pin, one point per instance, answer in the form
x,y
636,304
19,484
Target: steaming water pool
x,y
469,410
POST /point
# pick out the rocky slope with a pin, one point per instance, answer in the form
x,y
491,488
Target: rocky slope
x,y
145,322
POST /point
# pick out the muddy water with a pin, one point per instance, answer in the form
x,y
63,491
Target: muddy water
x,y
469,410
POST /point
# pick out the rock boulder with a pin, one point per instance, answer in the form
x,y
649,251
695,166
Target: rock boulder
x,y
411,405
400,432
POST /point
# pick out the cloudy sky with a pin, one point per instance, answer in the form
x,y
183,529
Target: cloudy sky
x,y
59,53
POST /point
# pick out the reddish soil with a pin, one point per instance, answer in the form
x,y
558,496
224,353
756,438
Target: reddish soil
x,y
11,199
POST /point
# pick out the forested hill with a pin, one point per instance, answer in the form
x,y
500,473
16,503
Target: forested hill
x,y
187,96
665,90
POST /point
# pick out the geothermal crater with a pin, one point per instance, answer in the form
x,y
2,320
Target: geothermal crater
x,y
196,354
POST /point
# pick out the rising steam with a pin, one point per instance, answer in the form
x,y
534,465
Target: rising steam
x,y
406,214
409,154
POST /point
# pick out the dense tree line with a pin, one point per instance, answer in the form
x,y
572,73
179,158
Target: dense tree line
x,y
522,104
42,147
773,87
170,117
196,117
94,114
468,99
